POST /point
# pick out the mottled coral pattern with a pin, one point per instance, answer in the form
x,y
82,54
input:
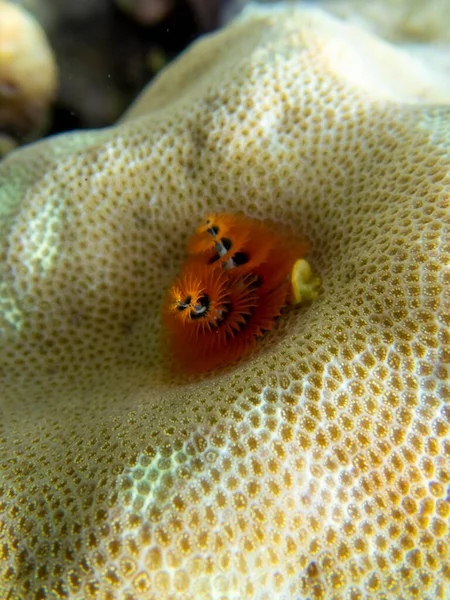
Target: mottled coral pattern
x,y
317,468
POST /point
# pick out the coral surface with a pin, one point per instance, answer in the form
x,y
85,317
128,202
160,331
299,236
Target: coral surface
x,y
319,466
420,26
28,75
398,20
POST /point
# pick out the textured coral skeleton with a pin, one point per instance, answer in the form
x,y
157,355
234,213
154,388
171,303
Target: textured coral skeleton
x,y
319,466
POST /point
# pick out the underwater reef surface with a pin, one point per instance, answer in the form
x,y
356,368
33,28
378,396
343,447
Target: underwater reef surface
x,y
28,77
398,20
318,467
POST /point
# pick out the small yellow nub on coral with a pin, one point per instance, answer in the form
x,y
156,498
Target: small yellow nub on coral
x,y
305,284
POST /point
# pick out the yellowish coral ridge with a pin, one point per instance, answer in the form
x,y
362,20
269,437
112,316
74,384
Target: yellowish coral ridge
x,y
317,468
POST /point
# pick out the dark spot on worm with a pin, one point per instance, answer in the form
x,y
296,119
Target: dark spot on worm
x,y
202,307
214,230
226,243
183,305
240,258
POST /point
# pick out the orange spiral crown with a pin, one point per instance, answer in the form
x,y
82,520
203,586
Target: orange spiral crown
x,y
231,288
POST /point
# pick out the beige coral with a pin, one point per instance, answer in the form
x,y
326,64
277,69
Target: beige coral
x,y
319,467
28,74
421,26
398,20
